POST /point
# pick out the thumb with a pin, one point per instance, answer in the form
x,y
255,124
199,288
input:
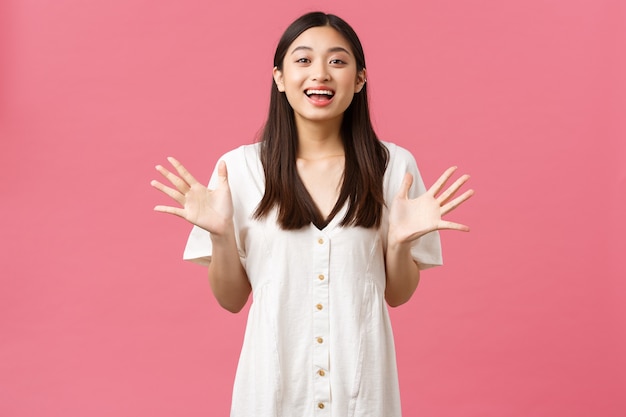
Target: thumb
x,y
407,181
222,171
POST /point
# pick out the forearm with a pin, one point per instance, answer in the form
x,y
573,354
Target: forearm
x,y
402,273
227,277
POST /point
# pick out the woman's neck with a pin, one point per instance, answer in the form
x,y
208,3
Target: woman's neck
x,y
319,140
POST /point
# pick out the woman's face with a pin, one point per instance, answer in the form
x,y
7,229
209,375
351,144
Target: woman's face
x,y
319,75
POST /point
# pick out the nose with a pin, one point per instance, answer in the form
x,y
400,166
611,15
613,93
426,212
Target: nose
x,y
319,72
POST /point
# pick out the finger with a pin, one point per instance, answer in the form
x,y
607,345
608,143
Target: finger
x,y
449,193
182,171
170,210
445,225
405,186
456,202
222,172
179,183
438,185
170,192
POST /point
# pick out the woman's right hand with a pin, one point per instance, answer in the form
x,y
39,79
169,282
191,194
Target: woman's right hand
x,y
212,210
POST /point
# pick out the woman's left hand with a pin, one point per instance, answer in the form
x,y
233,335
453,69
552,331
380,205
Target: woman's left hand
x,y
409,219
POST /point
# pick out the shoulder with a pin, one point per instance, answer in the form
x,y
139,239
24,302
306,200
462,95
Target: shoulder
x,y
243,160
244,153
401,162
243,165
400,159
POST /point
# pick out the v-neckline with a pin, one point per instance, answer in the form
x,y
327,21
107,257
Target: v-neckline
x,y
328,219
337,207
331,222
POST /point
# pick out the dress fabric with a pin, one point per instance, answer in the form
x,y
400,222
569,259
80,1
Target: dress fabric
x,y
318,340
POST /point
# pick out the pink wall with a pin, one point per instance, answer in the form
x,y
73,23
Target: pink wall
x,y
100,317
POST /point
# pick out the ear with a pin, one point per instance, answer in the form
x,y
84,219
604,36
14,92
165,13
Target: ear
x,y
278,79
361,79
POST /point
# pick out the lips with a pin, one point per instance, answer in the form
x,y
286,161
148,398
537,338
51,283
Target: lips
x,y
319,95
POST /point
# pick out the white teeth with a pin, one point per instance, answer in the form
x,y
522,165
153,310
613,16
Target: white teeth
x,y
326,92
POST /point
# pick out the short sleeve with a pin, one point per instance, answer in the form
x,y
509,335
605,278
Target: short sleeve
x,y
199,246
243,170
426,250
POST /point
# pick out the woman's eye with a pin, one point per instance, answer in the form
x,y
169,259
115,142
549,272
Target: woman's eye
x,y
303,60
337,61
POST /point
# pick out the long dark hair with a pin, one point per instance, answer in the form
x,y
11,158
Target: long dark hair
x,y
365,156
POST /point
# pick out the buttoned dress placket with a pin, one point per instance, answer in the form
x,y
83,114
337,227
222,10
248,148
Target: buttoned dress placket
x,y
321,325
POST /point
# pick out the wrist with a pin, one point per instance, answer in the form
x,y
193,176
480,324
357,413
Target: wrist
x,y
398,245
225,235
400,240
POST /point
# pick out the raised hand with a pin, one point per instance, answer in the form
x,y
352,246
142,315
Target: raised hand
x,y
411,218
211,210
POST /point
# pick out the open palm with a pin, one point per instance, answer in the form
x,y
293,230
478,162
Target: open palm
x,y
211,210
411,218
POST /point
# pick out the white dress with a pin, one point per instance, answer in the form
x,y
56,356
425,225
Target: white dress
x,y
318,340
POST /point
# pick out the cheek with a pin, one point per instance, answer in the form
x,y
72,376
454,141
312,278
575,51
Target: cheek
x,y
348,81
292,95
292,81
350,87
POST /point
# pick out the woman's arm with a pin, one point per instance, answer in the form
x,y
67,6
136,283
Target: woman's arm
x,y
403,274
228,279
211,210
410,219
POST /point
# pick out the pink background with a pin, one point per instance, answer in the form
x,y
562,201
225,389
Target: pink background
x,y
99,316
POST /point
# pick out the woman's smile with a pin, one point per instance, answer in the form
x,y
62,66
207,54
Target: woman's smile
x,y
319,75
320,96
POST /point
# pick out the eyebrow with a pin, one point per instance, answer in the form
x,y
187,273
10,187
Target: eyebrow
x,y
333,49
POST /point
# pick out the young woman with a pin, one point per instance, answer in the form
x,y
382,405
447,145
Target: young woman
x,y
323,223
